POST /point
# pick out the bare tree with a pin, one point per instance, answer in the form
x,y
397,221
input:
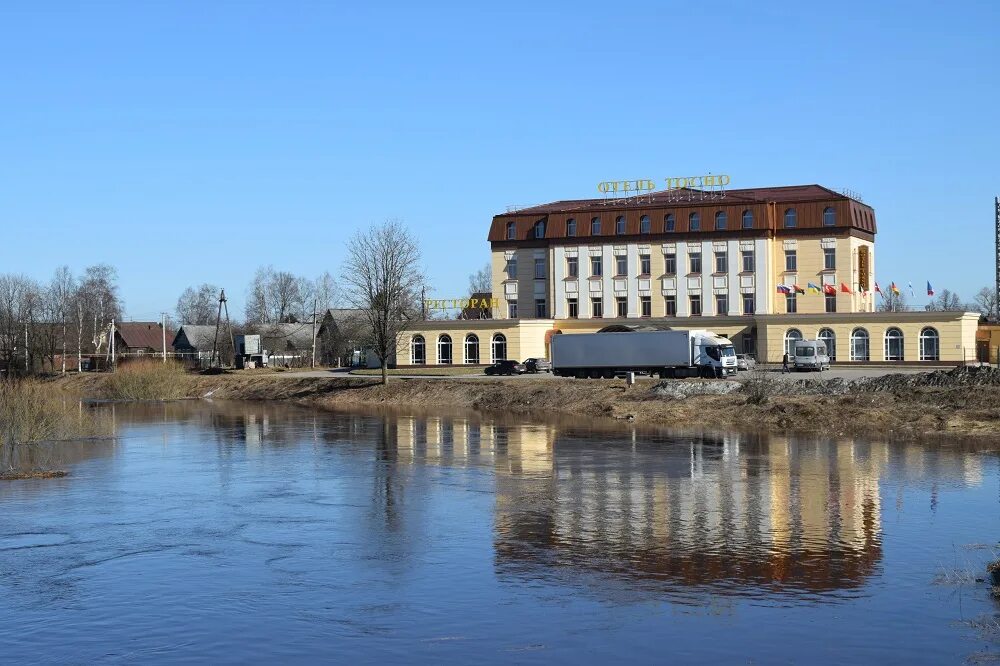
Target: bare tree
x,y
383,276
947,300
278,297
892,302
99,299
198,305
985,303
481,282
326,292
62,296
19,300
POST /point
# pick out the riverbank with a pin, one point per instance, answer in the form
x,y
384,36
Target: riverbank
x,y
958,402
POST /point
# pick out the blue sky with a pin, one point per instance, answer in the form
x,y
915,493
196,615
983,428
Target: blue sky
x,y
189,143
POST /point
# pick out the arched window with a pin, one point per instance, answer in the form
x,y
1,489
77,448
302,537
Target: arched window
x,y
418,350
791,336
721,221
829,338
644,225
620,225
894,345
540,229
511,231
668,222
859,345
472,348
930,344
829,217
444,348
595,226
499,347
694,222
571,227
748,219
791,218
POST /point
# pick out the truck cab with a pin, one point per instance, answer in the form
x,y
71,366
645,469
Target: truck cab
x,y
810,355
715,355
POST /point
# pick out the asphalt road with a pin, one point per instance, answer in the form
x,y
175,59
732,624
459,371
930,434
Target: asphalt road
x,y
835,372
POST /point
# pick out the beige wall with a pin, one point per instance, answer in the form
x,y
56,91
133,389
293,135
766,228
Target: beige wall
x,y
810,268
525,339
956,330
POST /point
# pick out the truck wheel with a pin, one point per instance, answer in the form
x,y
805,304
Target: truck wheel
x,y
595,374
581,374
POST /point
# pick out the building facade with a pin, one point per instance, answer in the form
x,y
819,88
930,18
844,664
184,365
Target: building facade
x,y
762,266
686,253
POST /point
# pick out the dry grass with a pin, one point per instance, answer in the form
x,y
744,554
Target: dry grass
x,y
147,380
32,412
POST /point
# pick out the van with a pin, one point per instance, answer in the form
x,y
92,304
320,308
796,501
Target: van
x,y
810,355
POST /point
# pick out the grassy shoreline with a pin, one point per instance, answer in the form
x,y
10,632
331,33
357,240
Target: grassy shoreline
x,y
895,406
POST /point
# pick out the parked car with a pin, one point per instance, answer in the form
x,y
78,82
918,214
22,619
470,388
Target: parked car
x,y
537,365
745,362
505,368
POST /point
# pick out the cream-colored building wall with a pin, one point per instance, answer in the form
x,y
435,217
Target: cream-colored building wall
x,y
498,266
525,339
810,267
956,331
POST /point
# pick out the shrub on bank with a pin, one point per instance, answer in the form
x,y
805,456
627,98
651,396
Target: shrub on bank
x,y
147,380
32,411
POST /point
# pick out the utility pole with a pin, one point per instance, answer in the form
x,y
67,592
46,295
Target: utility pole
x,y
315,304
996,295
26,349
218,320
163,325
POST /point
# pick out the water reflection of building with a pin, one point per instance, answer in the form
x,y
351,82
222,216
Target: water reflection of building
x,y
800,513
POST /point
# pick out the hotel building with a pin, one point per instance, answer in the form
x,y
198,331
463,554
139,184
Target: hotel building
x,y
763,266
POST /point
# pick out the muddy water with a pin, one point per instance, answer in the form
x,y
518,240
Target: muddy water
x,y
233,533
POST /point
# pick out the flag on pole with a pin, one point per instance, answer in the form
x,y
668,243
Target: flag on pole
x,y
910,284
829,289
797,289
813,289
782,289
930,289
878,289
894,289
844,288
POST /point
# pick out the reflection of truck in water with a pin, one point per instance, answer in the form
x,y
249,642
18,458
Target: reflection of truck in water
x,y
696,353
810,355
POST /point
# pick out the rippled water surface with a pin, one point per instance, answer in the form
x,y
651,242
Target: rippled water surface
x,y
254,533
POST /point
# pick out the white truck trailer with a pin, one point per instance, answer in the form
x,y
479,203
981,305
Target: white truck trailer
x,y
696,353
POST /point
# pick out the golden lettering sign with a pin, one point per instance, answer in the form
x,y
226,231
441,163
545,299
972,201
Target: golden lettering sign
x,y
863,268
624,186
646,185
697,182
461,303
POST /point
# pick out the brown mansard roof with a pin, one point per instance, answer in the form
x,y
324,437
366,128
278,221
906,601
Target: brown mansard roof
x,y
767,204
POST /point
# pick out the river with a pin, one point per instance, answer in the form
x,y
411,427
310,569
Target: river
x,y
236,533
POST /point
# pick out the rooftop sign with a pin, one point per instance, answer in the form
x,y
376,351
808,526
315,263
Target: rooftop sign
x,y
629,187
